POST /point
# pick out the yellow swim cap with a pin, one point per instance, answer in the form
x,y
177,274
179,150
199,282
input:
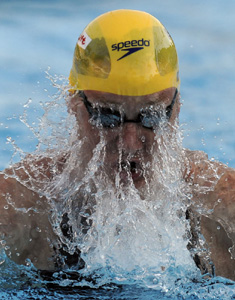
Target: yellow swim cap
x,y
125,52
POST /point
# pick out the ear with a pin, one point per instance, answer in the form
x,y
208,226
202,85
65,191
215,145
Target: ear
x,y
77,108
176,109
178,104
85,130
72,103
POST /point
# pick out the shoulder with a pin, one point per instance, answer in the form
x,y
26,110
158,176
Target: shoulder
x,y
212,186
212,194
24,182
201,170
35,170
24,211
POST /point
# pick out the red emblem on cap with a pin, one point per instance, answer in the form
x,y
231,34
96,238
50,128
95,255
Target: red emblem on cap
x,y
82,39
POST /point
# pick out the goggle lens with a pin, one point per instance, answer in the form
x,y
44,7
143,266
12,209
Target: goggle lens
x,y
108,118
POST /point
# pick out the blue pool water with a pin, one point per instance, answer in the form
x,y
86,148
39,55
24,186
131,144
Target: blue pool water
x,y
35,35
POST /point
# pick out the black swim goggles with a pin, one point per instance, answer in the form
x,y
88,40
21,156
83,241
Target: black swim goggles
x,y
109,118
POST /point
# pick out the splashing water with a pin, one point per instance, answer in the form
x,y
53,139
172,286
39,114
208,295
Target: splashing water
x,y
126,236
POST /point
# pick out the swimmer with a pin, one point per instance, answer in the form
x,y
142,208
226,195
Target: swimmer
x,y
124,85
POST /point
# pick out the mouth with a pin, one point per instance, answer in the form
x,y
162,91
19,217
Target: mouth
x,y
130,168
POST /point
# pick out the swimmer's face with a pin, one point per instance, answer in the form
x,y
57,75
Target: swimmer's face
x,y
129,126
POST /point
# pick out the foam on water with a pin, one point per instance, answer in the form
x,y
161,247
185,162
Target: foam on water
x,y
126,236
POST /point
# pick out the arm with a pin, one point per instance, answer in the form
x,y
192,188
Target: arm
x,y
213,190
219,227
25,230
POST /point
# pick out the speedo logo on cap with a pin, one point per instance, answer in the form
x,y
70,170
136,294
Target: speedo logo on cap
x,y
130,47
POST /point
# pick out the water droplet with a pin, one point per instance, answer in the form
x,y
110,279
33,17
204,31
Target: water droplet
x,y
38,229
28,262
26,105
55,275
3,243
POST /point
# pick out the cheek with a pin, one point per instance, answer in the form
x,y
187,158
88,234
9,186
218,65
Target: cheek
x,y
147,137
89,135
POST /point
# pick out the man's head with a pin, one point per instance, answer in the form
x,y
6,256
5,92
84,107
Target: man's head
x,y
125,70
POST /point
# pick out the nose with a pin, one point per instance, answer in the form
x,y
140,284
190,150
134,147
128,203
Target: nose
x,y
131,137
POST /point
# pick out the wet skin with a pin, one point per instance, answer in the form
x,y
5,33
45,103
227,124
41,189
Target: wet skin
x,y
19,229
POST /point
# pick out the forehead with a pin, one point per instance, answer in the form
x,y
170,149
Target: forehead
x,y
131,102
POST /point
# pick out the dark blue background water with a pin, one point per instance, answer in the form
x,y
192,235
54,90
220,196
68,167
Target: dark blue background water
x,y
37,34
